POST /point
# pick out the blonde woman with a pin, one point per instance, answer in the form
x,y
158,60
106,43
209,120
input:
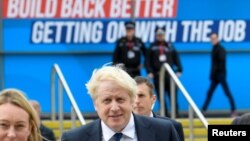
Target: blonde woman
x,y
18,120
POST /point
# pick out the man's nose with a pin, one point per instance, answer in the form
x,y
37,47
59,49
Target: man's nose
x,y
137,100
115,106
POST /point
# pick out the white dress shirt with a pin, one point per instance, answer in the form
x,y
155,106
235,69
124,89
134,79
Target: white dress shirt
x,y
151,114
129,132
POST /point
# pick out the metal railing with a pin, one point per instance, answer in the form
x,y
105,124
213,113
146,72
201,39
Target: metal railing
x,y
63,85
192,106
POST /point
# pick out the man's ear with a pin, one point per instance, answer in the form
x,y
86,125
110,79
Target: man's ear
x,y
153,101
154,98
95,108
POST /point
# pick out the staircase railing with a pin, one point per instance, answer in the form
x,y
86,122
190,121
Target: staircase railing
x,y
174,80
63,86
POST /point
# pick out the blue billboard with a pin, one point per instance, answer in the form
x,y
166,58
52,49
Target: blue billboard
x,y
80,36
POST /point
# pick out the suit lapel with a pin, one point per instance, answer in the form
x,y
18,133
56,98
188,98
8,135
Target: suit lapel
x,y
143,130
154,115
95,134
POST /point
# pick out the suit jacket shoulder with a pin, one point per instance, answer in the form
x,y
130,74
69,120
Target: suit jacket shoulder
x,y
153,129
177,125
147,129
47,133
88,132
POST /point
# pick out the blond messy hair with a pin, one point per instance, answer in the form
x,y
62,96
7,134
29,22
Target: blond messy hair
x,y
111,73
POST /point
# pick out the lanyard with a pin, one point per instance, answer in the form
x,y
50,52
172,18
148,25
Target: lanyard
x,y
130,45
161,46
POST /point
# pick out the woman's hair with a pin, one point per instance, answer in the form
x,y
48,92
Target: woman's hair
x,y
17,98
111,73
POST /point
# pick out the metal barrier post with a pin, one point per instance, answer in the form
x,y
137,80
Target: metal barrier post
x,y
62,85
185,94
191,123
162,90
173,100
53,98
69,94
73,117
61,118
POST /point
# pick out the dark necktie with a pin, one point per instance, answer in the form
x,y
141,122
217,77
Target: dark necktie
x,y
118,136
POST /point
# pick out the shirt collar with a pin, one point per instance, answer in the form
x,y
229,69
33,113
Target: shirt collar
x,y
151,114
128,131
107,133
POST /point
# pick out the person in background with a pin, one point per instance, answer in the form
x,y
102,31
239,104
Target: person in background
x,y
144,101
129,51
113,91
47,134
161,52
242,120
18,120
218,73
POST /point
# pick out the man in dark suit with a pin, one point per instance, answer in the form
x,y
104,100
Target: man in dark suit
x,y
144,100
113,91
147,129
47,133
218,73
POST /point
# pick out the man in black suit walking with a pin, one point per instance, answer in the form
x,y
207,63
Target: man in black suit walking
x,y
144,100
218,73
113,91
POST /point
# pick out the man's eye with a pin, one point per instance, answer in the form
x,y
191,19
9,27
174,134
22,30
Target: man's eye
x,y
141,95
107,101
120,100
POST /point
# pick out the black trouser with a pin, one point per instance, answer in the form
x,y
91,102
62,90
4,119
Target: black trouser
x,y
133,72
214,84
167,89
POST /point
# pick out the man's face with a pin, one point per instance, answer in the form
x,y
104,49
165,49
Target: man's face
x,y
143,100
113,105
130,32
214,39
160,37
